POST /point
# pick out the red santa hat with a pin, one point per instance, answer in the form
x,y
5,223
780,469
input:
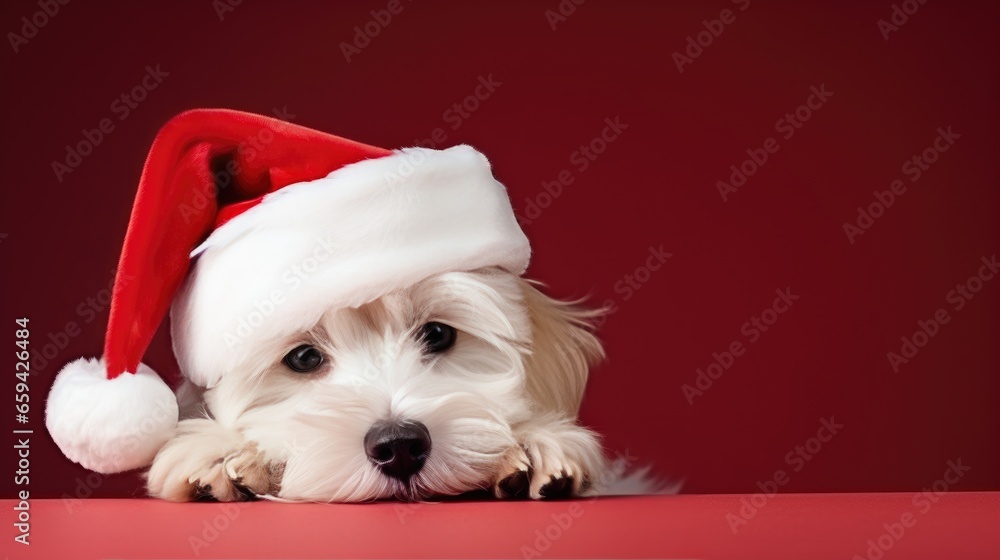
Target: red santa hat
x,y
246,228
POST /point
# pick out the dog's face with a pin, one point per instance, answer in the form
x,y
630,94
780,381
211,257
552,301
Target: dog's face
x,y
410,396
459,382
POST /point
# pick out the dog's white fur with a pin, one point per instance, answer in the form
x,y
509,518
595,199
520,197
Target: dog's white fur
x,y
504,399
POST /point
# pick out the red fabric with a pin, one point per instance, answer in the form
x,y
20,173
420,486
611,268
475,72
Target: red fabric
x,y
793,526
179,203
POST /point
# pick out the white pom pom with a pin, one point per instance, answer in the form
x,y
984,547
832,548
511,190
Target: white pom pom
x,y
110,425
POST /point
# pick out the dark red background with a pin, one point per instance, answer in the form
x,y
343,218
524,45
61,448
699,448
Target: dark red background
x,y
655,185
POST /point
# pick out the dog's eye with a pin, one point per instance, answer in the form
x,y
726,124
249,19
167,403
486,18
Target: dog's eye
x,y
437,337
304,359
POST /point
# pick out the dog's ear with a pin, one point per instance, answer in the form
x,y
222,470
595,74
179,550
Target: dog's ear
x,y
562,350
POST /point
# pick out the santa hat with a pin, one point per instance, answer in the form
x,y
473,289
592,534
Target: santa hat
x,y
248,228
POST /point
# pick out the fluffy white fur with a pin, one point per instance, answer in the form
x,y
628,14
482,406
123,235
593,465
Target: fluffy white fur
x,y
503,400
355,264
109,425
341,241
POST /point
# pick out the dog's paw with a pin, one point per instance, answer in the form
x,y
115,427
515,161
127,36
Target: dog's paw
x,y
566,460
555,474
205,461
242,475
559,486
514,475
250,470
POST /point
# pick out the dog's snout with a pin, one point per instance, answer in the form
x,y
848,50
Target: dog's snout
x,y
399,449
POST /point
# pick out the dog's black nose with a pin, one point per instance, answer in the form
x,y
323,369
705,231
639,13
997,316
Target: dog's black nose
x,y
399,449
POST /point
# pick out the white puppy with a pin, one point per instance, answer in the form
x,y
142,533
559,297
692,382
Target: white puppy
x,y
463,381
351,323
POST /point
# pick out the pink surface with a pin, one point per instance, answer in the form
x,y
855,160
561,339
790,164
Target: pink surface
x,y
952,525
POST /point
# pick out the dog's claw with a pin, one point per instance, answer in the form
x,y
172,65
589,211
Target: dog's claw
x,y
203,493
515,485
237,477
244,494
557,487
